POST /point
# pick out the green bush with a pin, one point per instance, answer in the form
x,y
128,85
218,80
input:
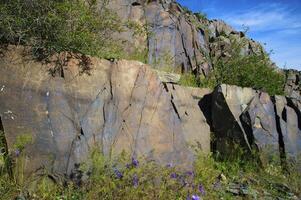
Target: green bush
x,y
201,16
253,70
189,80
53,26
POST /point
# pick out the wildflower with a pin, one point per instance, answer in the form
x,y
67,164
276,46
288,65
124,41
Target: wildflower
x,y
190,173
135,162
17,152
135,181
201,189
118,174
195,197
174,175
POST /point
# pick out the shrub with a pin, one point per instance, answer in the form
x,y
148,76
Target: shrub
x,y
253,70
201,16
53,26
189,80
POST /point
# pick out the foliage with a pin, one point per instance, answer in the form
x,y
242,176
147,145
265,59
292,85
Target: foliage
x,y
253,70
201,16
189,80
186,10
139,55
78,26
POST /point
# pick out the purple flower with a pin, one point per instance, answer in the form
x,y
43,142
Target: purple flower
x,y
174,175
17,152
201,189
195,197
135,181
190,173
118,174
135,162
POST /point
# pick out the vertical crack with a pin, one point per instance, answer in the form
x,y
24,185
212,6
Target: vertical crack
x,y
280,134
175,107
110,79
4,150
291,104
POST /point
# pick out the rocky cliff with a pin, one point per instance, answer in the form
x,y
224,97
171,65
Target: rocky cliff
x,y
178,38
123,105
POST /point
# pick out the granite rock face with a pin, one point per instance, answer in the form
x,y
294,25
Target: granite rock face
x,y
120,106
257,122
177,37
292,85
124,105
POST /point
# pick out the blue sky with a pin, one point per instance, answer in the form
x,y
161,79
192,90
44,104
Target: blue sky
x,y
275,23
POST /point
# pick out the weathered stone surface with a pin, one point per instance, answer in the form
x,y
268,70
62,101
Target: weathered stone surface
x,y
288,116
292,84
186,103
256,121
177,38
121,105
167,77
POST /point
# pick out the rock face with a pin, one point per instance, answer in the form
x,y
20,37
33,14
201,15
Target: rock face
x,y
123,105
292,85
120,106
257,122
176,37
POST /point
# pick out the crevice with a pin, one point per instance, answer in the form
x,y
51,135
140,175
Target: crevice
x,y
291,104
185,51
246,123
280,135
175,107
136,4
4,150
284,114
165,87
62,74
205,105
110,80
103,127
82,131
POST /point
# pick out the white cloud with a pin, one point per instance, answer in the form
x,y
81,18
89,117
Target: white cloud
x,y
265,17
276,25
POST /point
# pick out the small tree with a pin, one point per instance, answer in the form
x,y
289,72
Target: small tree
x,y
53,26
254,70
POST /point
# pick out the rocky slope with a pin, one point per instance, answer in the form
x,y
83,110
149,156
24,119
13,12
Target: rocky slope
x,y
176,37
123,105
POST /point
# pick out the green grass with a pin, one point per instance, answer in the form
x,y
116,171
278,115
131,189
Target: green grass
x,y
123,177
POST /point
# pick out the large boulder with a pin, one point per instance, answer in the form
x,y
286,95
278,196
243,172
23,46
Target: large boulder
x,y
116,106
256,122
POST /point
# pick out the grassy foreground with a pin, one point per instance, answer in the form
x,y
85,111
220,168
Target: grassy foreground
x,y
129,178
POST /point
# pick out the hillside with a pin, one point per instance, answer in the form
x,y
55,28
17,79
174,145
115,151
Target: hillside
x,y
102,106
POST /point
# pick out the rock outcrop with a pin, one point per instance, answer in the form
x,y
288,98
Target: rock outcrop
x,y
292,85
123,106
176,37
120,106
257,122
